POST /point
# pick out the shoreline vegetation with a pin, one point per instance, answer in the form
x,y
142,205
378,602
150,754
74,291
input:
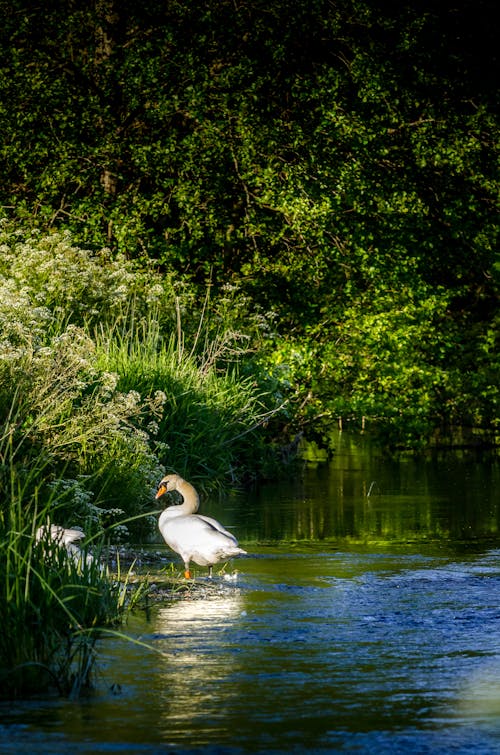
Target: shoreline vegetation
x,y
98,396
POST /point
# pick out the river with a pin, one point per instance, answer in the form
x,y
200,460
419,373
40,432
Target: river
x,y
365,618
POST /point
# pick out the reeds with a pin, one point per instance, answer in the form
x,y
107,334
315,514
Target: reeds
x,y
111,376
52,605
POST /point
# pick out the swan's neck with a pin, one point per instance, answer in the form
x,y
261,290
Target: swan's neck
x,y
191,502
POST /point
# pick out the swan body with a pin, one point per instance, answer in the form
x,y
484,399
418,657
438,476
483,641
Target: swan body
x,y
193,536
59,535
64,538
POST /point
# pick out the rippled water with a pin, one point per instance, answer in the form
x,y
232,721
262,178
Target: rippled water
x,y
358,644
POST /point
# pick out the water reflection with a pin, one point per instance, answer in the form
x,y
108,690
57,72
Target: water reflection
x,y
322,648
362,497
196,635
480,695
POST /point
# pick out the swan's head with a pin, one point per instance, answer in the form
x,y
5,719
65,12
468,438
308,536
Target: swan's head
x,y
167,484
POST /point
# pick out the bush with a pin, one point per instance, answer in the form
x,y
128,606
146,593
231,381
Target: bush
x,y
98,388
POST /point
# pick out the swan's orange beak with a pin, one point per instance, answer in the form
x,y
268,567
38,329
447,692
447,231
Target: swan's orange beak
x,y
161,490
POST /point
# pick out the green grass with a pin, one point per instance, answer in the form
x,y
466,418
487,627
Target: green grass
x,y
52,609
205,420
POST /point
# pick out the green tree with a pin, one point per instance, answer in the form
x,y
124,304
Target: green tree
x,y
327,159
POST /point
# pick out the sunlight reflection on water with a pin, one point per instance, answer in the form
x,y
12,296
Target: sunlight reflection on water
x,y
383,652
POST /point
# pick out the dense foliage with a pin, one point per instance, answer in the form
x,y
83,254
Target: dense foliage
x,y
336,163
95,404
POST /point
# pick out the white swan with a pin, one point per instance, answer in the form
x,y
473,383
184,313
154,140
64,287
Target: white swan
x,y
194,537
64,538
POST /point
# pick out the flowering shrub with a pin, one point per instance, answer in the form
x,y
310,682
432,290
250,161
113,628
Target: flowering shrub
x,y
96,390
57,407
55,277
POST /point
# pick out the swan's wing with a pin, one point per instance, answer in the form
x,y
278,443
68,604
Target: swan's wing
x,y
187,531
66,536
57,534
217,526
198,538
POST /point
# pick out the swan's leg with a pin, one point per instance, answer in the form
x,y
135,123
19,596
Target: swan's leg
x,y
187,571
210,572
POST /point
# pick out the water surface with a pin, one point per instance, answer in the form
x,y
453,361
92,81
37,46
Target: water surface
x,y
366,618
